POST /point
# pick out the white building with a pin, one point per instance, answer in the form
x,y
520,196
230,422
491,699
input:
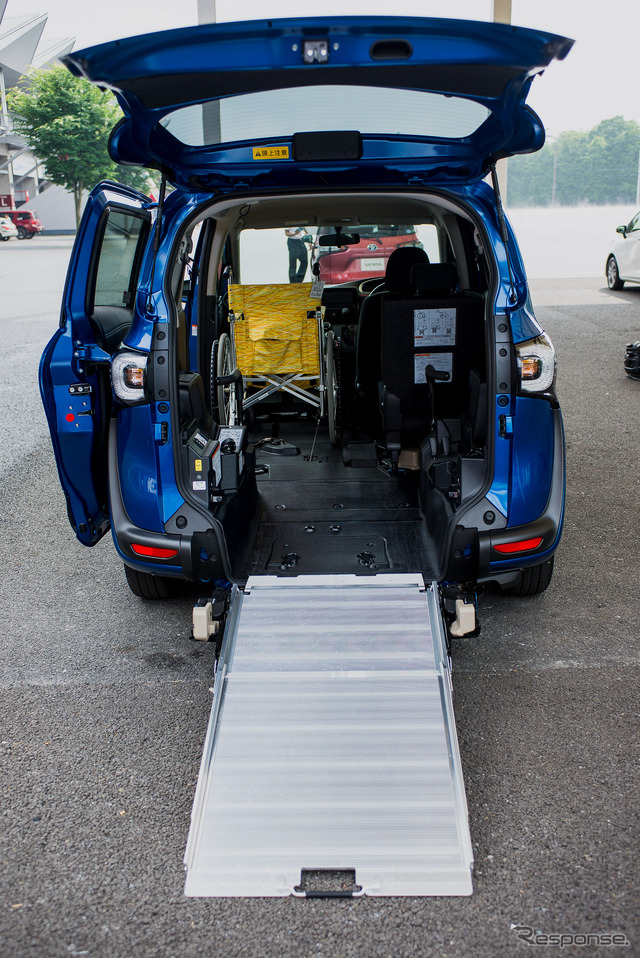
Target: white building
x,y
22,180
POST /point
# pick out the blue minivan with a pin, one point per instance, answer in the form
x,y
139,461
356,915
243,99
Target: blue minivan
x,y
228,414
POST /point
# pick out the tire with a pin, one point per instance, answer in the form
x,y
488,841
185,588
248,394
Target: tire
x,y
331,390
22,233
5,239
613,276
147,586
533,580
227,411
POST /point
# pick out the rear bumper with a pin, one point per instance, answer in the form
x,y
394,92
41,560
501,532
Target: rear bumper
x,y
547,527
201,552
125,533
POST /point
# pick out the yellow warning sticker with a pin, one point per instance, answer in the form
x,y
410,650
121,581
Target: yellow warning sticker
x,y
198,465
271,152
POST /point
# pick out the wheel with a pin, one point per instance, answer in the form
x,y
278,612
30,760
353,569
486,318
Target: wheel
x,y
613,276
147,586
22,233
227,408
533,580
331,392
5,239
632,361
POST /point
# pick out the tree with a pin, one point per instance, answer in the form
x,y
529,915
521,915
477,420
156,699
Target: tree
x,y
66,121
598,166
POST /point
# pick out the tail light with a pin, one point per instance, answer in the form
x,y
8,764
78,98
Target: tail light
x,y
153,552
536,364
523,545
128,376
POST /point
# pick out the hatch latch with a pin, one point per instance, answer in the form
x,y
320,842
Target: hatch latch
x,y
315,51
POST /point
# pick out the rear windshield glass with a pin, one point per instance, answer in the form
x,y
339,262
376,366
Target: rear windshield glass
x,y
373,110
268,256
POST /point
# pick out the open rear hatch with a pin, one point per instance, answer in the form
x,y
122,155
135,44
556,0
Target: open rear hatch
x,y
218,105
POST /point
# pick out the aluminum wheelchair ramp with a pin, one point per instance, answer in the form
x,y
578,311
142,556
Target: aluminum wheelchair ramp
x,y
331,745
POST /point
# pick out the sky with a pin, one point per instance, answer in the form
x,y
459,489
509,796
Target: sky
x,y
597,80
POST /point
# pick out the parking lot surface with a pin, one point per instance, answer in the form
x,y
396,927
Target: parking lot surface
x,y
105,703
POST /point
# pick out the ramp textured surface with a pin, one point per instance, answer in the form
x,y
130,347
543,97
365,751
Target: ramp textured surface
x,y
331,744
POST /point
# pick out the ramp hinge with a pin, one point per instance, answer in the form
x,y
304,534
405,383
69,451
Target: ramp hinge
x,y
209,616
204,625
465,620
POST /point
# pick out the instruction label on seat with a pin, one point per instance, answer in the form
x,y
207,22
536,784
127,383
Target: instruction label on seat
x,y
443,362
434,327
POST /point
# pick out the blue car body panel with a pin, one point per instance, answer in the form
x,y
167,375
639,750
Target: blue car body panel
x,y
138,467
72,419
73,371
531,459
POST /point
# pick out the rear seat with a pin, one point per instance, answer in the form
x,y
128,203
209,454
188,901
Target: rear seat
x,y
437,326
110,325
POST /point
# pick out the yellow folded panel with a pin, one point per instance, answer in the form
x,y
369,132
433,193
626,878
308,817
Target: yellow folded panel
x,y
273,333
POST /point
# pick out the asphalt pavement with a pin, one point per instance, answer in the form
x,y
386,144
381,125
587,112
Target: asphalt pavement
x,y
104,704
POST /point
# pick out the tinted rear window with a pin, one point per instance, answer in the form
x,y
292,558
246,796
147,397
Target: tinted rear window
x,y
370,110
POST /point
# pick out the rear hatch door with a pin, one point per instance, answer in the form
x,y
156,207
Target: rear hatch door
x,y
318,101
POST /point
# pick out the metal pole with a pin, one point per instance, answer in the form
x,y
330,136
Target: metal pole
x,y
3,101
501,13
207,11
211,132
638,182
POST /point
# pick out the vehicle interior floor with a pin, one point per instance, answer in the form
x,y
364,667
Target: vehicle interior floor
x,y
330,509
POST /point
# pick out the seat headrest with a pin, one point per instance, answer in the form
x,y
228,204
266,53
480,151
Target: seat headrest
x,y
339,297
434,278
397,277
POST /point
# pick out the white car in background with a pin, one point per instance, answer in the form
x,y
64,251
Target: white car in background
x,y
623,261
7,228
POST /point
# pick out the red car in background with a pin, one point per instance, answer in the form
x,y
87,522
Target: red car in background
x,y
26,222
364,260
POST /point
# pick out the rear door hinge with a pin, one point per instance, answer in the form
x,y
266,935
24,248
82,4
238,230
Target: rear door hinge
x,y
90,353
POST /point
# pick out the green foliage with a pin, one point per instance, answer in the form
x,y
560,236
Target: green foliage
x,y
598,167
137,176
66,121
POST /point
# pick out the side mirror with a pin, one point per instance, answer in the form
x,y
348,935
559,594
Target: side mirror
x,y
623,230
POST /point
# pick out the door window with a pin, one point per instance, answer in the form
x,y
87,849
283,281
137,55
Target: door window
x,y
119,259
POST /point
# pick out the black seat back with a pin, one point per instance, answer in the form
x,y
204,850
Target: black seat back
x,y
397,282
436,327
340,304
110,325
